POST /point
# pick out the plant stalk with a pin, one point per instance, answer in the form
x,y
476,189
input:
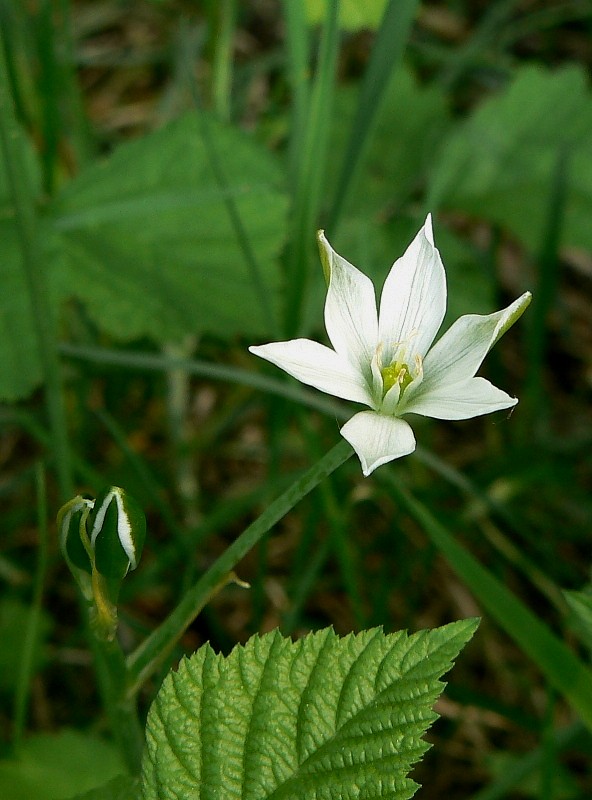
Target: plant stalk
x,y
120,705
145,659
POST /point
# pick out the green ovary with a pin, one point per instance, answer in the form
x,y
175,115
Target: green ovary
x,y
396,372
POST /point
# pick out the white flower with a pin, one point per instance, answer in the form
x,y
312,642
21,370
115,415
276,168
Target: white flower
x,y
384,360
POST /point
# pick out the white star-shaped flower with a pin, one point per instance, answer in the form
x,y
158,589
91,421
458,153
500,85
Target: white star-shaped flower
x,y
385,360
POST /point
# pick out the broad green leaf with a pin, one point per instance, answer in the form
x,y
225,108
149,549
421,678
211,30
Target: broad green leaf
x,y
353,14
500,163
323,717
145,240
56,766
122,788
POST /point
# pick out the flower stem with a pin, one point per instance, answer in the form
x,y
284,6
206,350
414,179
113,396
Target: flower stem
x,y
146,658
31,633
120,705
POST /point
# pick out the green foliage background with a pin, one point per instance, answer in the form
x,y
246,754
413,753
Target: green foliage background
x,y
178,157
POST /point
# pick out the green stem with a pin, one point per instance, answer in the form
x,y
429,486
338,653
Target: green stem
x,y
386,54
297,62
49,94
11,143
219,372
222,62
145,659
119,702
545,295
340,542
183,461
311,171
32,631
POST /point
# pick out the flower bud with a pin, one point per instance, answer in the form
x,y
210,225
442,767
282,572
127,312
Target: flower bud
x,y
72,531
117,530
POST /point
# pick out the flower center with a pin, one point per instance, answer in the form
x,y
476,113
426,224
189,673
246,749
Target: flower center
x,y
397,372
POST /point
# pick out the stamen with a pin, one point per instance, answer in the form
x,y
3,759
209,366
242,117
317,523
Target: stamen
x,y
418,367
396,373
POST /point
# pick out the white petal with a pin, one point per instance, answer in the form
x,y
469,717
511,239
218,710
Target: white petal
x,y
460,352
469,398
318,366
413,299
378,439
350,310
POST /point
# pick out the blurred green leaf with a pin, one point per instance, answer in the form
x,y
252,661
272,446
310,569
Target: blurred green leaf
x,y
353,15
409,129
321,717
499,164
377,226
56,766
122,788
144,238
500,765
14,619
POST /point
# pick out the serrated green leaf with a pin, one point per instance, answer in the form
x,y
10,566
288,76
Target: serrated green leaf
x,y
323,717
55,766
144,238
500,163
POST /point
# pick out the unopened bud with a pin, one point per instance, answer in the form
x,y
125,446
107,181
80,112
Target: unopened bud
x,y
117,530
72,530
